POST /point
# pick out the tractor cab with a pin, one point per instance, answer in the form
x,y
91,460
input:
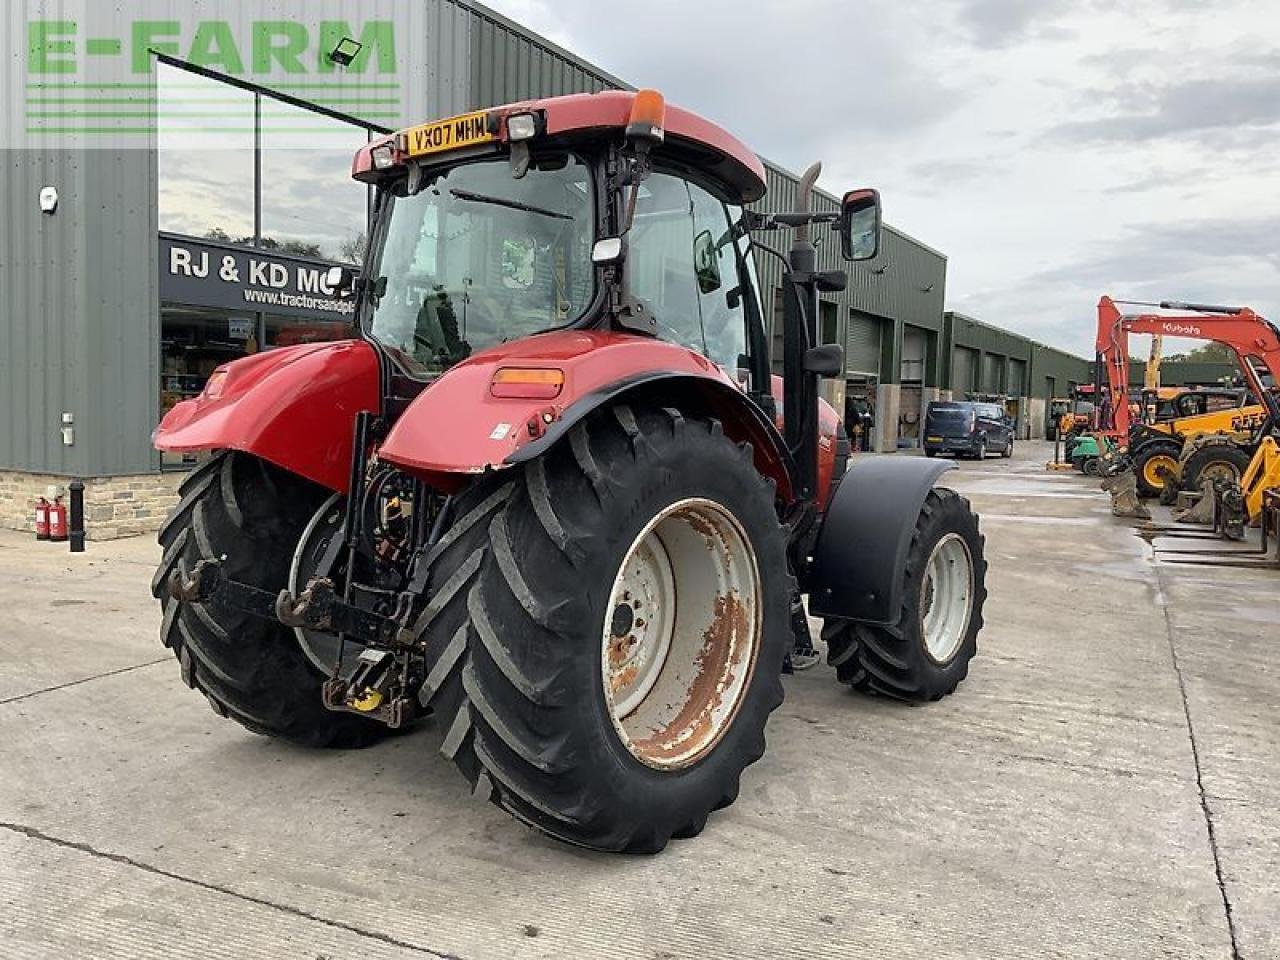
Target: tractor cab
x,y
525,219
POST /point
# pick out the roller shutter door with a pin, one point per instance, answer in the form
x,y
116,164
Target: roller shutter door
x,y
862,345
964,364
991,369
1017,378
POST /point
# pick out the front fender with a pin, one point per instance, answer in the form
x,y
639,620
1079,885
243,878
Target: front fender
x,y
293,406
866,533
457,427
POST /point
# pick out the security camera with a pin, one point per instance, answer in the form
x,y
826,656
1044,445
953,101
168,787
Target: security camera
x,y
48,199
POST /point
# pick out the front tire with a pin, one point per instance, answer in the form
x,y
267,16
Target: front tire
x,y
251,670
561,721
1216,460
926,653
981,453
1007,452
1149,460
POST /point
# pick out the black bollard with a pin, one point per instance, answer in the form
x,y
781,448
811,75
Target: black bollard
x,y
76,487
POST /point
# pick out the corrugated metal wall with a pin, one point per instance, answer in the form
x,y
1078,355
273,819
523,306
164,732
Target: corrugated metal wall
x,y
508,63
905,283
79,324
1031,364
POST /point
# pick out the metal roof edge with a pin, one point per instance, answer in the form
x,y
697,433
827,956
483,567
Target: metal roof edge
x,y
1013,333
541,41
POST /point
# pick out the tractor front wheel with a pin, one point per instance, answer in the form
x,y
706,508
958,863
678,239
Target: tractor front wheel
x,y
625,631
925,654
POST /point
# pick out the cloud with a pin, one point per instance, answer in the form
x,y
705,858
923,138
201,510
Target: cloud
x,y
1211,260
795,83
998,23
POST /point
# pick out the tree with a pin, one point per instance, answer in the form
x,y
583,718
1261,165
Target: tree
x,y
1208,353
352,249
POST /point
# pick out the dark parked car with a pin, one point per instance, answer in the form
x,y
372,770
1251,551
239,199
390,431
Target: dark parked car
x,y
967,427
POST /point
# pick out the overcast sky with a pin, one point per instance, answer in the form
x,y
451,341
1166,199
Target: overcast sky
x,y
1055,150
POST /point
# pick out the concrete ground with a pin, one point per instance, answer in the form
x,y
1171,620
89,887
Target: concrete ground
x,y
1105,783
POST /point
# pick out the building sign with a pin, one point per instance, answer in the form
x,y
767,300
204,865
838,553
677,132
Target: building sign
x,y
240,279
83,71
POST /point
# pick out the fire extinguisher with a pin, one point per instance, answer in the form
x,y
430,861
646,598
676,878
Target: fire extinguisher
x,y
58,521
42,519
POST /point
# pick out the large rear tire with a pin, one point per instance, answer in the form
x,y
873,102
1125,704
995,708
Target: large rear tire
x,y
925,654
1149,460
251,670
1217,459
573,713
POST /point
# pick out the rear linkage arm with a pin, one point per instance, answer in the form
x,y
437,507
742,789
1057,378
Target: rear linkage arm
x,y
318,607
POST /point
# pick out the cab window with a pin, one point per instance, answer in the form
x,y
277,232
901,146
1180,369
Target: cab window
x,y
683,265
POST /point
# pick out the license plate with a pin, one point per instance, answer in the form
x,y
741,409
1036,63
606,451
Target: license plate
x,y
441,135
934,439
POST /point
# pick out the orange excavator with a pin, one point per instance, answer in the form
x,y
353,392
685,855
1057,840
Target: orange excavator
x,y
1237,451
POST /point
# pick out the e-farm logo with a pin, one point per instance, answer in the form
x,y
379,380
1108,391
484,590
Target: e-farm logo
x,y
68,61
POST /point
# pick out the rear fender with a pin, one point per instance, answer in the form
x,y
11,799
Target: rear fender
x,y
294,406
856,573
457,428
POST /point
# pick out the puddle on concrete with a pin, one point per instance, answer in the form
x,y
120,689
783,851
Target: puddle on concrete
x,y
1050,521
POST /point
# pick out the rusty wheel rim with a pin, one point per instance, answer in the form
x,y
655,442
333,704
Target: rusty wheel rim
x,y
681,634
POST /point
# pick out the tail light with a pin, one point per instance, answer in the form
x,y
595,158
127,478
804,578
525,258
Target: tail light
x,y
527,383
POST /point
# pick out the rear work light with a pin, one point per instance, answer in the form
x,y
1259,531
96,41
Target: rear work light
x,y
522,126
383,156
527,383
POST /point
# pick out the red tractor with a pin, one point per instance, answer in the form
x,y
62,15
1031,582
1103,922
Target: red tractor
x,y
544,497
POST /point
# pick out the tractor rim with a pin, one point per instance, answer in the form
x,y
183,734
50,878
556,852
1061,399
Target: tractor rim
x,y
1219,470
945,598
681,633
1151,469
321,648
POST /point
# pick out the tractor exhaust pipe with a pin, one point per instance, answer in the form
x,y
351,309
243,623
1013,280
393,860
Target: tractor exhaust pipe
x,y
804,199
799,334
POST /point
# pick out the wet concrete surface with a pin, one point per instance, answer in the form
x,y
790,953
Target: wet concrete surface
x,y
1105,783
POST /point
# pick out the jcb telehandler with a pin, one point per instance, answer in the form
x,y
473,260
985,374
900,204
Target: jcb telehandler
x,y
543,497
1183,417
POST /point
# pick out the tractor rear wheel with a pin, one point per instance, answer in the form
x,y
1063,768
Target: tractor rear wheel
x,y
1148,462
926,653
624,634
251,670
1214,460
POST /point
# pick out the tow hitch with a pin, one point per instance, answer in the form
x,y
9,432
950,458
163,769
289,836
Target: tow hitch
x,y
378,687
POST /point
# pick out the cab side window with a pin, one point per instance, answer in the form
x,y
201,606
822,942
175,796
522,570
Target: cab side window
x,y
683,265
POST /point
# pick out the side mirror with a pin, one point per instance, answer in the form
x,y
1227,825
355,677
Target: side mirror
x,y
826,360
705,265
341,280
860,224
